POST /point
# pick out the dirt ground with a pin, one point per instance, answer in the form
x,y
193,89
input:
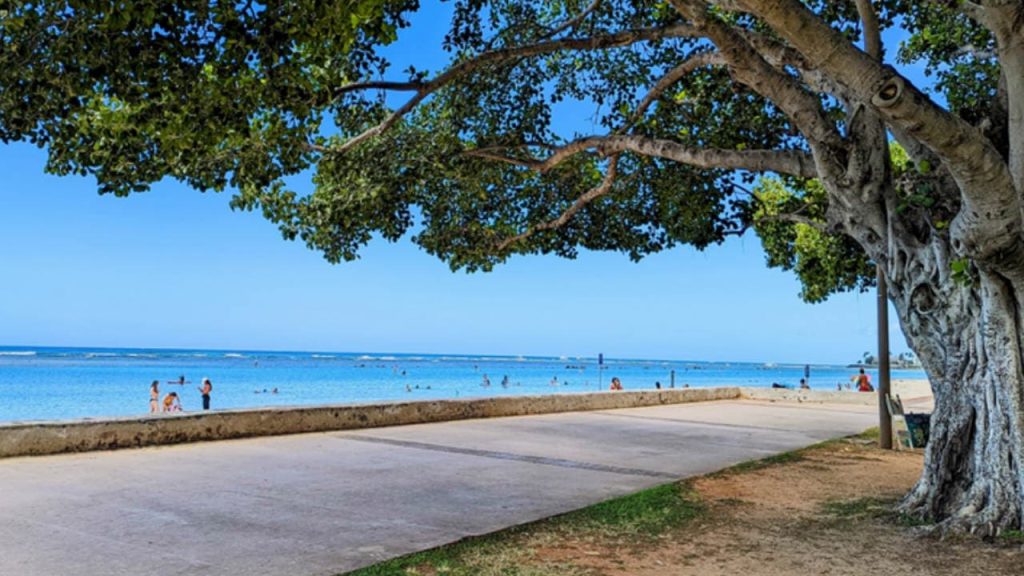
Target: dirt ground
x,y
827,512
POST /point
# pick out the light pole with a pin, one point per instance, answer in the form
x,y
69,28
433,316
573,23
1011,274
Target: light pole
x,y
884,418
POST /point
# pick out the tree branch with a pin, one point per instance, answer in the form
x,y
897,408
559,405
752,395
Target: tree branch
x,y
573,22
872,34
796,219
671,77
624,38
781,57
593,194
789,162
991,218
1004,18
495,153
380,85
748,67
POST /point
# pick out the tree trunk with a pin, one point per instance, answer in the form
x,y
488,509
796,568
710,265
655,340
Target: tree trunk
x,y
967,333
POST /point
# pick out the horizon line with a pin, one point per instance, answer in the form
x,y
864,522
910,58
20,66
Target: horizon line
x,y
594,358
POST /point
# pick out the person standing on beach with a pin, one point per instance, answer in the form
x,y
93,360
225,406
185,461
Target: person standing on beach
x,y
154,397
205,391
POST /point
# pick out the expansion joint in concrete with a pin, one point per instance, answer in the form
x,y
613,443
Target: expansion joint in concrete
x,y
561,462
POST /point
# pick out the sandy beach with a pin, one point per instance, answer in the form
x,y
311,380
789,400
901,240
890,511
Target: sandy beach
x,y
912,389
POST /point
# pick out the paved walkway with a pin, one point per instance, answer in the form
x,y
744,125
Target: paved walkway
x,y
320,504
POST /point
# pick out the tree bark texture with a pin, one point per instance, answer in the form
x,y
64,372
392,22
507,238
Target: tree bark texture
x,y
968,336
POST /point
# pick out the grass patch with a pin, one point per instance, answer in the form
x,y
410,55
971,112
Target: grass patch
x,y
630,519
872,434
1012,536
492,555
874,508
752,465
647,513
870,507
911,521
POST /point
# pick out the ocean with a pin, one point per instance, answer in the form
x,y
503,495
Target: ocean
x,y
40,383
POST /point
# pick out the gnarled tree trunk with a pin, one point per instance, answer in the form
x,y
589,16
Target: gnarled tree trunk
x,y
967,332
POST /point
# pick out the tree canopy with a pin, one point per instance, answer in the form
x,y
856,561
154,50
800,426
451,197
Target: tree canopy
x,y
243,95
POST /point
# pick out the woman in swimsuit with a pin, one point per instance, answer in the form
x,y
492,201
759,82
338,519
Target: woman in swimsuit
x,y
154,396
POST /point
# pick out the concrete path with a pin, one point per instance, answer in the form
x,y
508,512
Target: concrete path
x,y
320,504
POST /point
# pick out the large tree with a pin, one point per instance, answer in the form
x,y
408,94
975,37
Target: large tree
x,y
630,125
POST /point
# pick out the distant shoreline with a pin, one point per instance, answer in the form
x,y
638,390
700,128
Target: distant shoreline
x,y
9,350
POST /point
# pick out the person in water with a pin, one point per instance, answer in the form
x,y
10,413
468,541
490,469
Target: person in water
x,y
154,397
205,390
616,384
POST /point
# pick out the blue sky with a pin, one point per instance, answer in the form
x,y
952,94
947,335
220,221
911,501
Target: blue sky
x,y
177,268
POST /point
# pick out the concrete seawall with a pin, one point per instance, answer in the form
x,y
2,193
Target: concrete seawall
x,y
39,438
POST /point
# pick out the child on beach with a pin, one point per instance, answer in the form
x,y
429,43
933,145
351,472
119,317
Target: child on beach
x,y
172,403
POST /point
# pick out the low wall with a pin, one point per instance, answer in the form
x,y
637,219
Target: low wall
x,y
38,438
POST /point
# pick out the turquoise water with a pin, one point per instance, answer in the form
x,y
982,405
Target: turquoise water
x,y
59,383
